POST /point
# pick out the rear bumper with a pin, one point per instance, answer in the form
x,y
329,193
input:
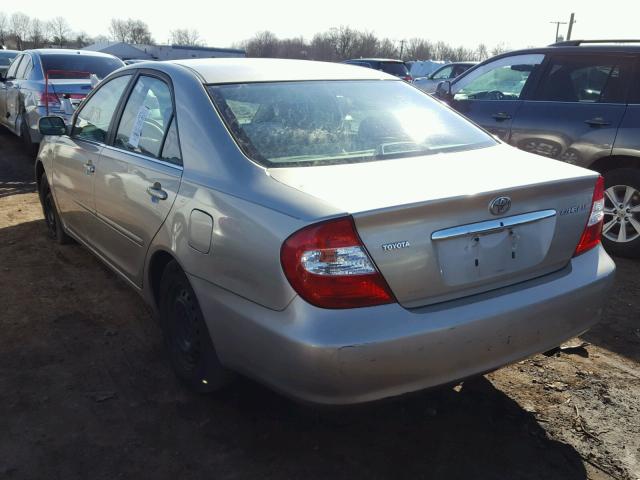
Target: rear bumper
x,y
359,355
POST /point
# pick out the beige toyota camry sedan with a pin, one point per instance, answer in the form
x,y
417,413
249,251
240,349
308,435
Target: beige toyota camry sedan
x,y
326,229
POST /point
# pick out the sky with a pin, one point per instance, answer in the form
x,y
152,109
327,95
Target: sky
x,y
515,23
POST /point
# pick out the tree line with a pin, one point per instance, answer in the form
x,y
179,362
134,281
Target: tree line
x,y
19,31
343,43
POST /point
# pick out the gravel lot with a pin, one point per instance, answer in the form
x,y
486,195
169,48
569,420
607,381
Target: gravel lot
x,y
86,392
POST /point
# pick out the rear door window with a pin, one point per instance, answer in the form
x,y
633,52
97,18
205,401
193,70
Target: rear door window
x,y
93,120
146,117
586,79
458,70
171,149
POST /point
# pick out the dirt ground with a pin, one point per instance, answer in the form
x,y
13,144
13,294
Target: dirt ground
x,y
86,391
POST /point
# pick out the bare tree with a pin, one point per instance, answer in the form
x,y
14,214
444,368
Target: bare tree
x,y
388,49
500,48
37,33
185,37
293,48
130,31
119,30
366,45
19,25
139,32
82,40
4,28
263,44
419,49
322,47
59,31
482,52
344,40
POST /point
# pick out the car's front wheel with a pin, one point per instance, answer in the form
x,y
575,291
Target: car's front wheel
x,y
51,216
621,230
186,335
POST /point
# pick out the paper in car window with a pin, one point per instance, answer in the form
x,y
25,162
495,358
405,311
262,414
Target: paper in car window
x,y
134,137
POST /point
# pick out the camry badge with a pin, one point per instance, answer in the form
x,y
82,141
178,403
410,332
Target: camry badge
x,y
500,205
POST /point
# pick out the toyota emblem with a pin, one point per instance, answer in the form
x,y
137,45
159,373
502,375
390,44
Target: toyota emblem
x,y
500,205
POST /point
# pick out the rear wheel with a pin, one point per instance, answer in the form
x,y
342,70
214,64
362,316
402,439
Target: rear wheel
x,y
51,217
186,335
25,135
621,230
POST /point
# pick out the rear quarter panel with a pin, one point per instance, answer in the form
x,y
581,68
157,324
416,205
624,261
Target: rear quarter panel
x,y
244,253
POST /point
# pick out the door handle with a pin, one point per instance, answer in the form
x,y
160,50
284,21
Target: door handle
x,y
501,116
157,192
597,122
89,168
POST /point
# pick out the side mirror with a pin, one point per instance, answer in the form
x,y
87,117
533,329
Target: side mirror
x,y
443,90
52,126
3,77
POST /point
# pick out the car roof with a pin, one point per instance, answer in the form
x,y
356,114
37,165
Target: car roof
x,y
456,63
244,70
563,47
67,51
389,60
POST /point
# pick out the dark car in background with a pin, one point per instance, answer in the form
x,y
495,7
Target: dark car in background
x,y
577,101
387,65
48,82
446,72
6,57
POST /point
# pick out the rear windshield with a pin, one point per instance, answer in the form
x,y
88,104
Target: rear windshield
x,y
100,66
286,124
6,57
395,68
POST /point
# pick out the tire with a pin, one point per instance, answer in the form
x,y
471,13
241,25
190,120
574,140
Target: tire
x,y
186,335
51,217
621,231
30,147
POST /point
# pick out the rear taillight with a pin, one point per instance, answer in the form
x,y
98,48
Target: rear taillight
x,y
329,267
592,231
49,98
408,78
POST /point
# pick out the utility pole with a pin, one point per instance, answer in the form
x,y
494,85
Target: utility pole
x,y
402,42
571,22
558,28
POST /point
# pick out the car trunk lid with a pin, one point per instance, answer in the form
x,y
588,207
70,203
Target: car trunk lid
x,y
427,224
71,90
